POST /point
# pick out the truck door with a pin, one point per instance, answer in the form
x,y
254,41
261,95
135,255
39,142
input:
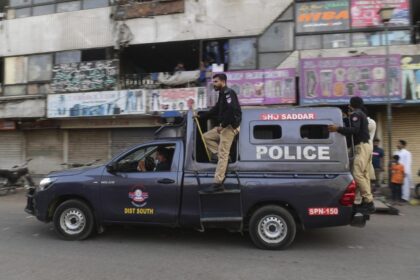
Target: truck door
x,y
148,196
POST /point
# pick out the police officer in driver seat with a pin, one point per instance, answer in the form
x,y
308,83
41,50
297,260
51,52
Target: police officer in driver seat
x,y
164,160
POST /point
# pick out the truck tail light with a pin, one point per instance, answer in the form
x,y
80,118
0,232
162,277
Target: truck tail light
x,y
349,195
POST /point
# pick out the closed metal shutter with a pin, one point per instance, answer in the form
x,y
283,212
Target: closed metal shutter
x,y
87,145
11,148
405,126
45,147
127,137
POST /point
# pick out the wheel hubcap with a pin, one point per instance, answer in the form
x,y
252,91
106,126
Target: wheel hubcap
x,y
272,229
72,221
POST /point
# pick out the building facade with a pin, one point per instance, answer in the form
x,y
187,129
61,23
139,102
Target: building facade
x,y
82,80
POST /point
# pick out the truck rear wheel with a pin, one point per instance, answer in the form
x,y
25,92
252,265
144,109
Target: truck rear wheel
x,y
272,227
73,220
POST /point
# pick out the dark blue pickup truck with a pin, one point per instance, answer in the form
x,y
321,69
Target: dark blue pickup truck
x,y
286,171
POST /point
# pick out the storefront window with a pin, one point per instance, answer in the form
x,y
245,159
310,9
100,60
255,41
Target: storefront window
x,y
15,90
332,41
42,1
92,4
68,57
360,39
43,10
68,7
271,60
40,67
242,53
16,70
19,3
279,37
24,12
308,42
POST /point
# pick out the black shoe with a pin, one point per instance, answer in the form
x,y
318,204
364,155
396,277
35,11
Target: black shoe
x,y
214,188
366,208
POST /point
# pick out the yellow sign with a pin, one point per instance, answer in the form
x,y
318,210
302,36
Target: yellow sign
x,y
139,211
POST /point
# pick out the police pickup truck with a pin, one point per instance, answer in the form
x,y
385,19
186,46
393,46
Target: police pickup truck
x,y
286,171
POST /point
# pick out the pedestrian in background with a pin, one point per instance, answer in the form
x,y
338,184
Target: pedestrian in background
x,y
378,163
405,160
397,179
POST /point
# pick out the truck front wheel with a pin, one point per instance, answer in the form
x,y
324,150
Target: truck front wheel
x,y
272,227
73,220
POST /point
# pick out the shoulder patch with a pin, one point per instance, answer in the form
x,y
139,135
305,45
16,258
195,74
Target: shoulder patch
x,y
355,118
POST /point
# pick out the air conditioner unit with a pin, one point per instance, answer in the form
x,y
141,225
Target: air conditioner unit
x,y
2,15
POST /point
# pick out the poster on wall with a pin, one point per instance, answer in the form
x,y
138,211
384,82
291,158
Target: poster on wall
x,y
104,103
177,99
410,67
336,80
85,76
364,13
322,16
260,87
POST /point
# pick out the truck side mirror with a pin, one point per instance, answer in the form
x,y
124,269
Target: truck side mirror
x,y
112,167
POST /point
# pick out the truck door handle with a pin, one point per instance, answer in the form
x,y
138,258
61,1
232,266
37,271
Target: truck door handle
x,y
166,181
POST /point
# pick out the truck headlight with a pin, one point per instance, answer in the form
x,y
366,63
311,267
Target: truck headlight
x,y
46,183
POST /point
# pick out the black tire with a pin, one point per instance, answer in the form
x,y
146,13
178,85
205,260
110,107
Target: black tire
x,y
73,220
272,227
417,191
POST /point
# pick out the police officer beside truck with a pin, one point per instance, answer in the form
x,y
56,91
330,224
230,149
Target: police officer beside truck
x,y
358,129
228,113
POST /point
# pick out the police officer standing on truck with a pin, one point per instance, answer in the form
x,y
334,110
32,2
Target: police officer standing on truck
x,y
358,129
219,140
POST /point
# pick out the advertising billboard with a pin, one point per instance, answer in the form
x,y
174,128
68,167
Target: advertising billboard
x,y
364,13
322,16
103,103
335,80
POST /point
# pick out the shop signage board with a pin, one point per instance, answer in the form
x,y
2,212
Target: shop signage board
x,y
322,16
335,80
85,76
103,103
177,99
410,68
364,13
276,86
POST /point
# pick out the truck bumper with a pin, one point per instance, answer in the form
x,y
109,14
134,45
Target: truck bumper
x,y
39,210
359,219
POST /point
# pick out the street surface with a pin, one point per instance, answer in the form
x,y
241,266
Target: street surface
x,y
388,248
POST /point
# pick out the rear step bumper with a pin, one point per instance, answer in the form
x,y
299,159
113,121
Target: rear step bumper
x,y
359,219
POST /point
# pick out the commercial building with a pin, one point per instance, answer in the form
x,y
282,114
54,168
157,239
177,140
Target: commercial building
x,y
81,80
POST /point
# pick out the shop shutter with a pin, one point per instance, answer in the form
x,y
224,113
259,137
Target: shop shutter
x,y
406,126
45,147
127,137
87,145
11,148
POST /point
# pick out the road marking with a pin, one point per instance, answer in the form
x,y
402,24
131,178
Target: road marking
x,y
29,217
35,234
6,228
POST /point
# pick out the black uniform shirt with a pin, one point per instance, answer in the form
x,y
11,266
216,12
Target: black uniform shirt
x,y
227,109
358,127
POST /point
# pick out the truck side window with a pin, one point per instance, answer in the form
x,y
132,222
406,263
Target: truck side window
x,y
314,131
267,132
151,159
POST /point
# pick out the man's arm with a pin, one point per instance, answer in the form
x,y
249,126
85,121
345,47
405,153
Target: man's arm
x,y
355,122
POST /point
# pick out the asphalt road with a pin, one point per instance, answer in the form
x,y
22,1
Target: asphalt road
x,y
388,248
